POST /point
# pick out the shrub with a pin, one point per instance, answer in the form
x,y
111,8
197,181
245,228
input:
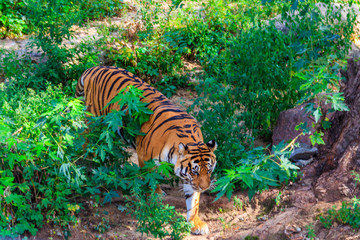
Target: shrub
x,y
92,10
261,72
18,17
12,22
39,149
348,213
153,216
44,168
256,170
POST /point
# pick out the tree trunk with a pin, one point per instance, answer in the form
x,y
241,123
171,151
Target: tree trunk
x,y
341,152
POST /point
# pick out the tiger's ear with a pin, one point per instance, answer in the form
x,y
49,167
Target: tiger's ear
x,y
212,145
183,149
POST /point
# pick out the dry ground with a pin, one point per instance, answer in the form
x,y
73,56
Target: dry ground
x,y
260,217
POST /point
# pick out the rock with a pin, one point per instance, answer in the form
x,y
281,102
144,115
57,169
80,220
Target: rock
x,y
38,58
303,163
286,123
303,155
303,152
345,190
354,51
263,218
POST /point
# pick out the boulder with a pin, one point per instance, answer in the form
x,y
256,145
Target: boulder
x,y
285,126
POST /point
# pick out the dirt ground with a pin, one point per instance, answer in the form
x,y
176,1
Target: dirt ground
x,y
259,217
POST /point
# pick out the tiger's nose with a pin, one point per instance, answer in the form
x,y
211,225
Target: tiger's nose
x,y
205,184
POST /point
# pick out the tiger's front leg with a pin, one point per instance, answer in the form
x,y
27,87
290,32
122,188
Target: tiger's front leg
x,y
192,206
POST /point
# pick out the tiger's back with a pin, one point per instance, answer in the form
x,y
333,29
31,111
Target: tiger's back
x,y
171,134
167,126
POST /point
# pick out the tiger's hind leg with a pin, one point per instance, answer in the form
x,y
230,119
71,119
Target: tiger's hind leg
x,y
120,131
192,206
142,164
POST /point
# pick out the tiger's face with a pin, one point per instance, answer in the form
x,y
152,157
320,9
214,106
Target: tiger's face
x,y
196,163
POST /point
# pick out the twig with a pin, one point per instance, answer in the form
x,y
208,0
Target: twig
x,y
17,131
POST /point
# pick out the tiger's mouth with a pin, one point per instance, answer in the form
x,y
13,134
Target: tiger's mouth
x,y
200,189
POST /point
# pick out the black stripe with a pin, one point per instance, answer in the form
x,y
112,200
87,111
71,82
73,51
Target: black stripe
x,y
107,78
159,113
171,152
177,128
123,82
103,79
97,81
163,104
181,135
159,99
174,118
151,91
112,85
187,196
88,71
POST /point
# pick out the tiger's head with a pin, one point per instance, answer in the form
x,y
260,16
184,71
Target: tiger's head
x,y
195,164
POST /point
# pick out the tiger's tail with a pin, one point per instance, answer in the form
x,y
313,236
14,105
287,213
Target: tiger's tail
x,y
80,87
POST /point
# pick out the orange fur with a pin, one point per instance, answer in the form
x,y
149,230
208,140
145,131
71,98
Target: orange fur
x,y
171,134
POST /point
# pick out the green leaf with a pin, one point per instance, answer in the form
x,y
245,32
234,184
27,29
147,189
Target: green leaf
x,y
23,187
102,153
121,208
316,138
165,168
326,124
317,114
41,122
303,126
337,101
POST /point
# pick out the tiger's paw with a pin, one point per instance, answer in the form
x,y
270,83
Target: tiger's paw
x,y
200,227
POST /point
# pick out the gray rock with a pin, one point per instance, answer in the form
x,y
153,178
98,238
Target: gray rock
x,y
303,163
303,152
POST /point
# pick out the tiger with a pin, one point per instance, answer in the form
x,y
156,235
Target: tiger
x,y
171,134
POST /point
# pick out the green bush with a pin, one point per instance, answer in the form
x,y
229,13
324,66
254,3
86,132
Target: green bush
x,y
257,64
12,22
95,9
45,169
38,152
256,170
262,63
261,72
18,17
201,34
348,213
146,49
153,216
150,60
